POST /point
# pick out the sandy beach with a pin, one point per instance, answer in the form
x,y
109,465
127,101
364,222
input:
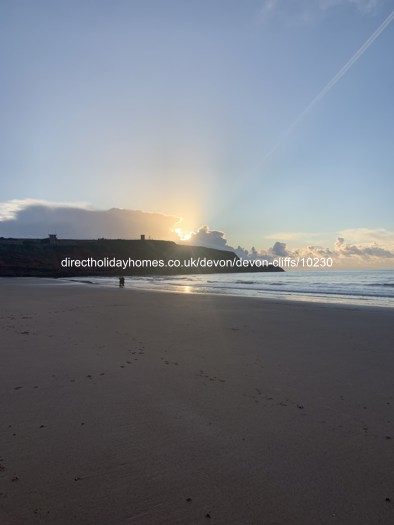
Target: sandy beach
x,y
128,407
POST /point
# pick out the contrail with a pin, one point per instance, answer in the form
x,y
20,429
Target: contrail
x,y
333,81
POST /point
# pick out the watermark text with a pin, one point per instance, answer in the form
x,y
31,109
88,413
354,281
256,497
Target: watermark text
x,y
199,262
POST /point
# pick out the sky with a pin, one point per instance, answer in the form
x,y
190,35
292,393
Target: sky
x,y
262,125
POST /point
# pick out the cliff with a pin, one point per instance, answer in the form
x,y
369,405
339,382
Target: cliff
x,y
105,257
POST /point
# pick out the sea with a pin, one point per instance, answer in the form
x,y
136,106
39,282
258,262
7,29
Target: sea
x,y
353,287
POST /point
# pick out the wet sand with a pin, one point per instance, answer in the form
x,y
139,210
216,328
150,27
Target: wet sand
x,y
126,407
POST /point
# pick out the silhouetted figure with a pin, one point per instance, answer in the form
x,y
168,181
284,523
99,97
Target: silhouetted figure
x,y
121,282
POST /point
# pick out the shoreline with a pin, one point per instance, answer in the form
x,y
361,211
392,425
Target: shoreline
x,y
37,281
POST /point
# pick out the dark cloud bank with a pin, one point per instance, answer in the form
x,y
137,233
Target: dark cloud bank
x,y
39,220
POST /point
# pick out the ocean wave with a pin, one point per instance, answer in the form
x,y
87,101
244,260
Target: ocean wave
x,y
389,285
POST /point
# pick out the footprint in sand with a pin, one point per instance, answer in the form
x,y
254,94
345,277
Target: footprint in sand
x,y
211,378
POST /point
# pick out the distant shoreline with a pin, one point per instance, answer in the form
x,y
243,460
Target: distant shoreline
x,y
53,257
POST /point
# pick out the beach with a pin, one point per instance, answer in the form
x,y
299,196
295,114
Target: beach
x,y
123,406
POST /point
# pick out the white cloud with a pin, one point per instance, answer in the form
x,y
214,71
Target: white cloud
x,y
314,251
364,251
291,236
306,11
204,236
368,235
366,6
208,238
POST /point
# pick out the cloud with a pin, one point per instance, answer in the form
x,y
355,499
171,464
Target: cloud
x,y
291,236
307,11
295,12
32,218
268,7
344,254
10,209
204,236
208,238
366,244
365,6
314,251
361,247
279,250
360,235
346,249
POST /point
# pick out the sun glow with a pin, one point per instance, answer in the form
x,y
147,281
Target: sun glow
x,y
182,235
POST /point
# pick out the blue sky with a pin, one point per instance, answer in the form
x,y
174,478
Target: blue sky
x,y
181,108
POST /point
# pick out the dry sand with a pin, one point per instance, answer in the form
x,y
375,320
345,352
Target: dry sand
x,y
127,407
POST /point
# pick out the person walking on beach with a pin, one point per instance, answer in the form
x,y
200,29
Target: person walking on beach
x,y
121,282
